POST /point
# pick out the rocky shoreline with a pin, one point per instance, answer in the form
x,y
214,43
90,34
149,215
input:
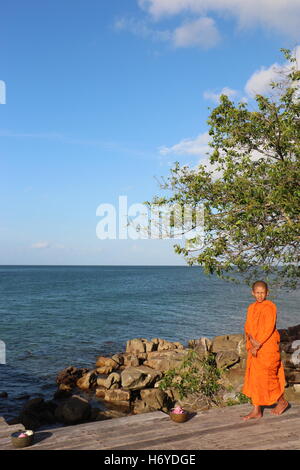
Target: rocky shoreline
x,y
131,382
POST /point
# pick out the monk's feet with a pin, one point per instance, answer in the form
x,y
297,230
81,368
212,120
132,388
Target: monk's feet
x,y
280,407
255,414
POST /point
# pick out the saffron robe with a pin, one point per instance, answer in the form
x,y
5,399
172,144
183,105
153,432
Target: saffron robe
x,y
264,378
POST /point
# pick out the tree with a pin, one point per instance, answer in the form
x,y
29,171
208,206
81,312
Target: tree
x,y
250,189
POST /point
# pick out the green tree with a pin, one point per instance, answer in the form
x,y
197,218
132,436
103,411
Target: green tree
x,y
250,190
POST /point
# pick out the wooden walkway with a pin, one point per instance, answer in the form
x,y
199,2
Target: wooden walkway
x,y
215,429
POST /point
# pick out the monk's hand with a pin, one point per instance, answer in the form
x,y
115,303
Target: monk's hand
x,y
254,342
253,351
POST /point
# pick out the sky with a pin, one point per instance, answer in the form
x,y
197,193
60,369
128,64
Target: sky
x,y
99,98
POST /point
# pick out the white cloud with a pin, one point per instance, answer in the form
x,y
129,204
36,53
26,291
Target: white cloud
x,y
280,15
198,146
142,29
260,81
40,245
210,95
201,32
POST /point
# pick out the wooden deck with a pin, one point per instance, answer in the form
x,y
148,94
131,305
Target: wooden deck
x,y
215,429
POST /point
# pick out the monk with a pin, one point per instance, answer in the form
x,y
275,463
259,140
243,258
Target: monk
x,y
264,378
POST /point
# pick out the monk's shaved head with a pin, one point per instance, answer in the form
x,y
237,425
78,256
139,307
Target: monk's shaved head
x,y
260,284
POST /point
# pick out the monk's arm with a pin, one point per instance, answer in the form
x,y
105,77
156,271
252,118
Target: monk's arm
x,y
266,327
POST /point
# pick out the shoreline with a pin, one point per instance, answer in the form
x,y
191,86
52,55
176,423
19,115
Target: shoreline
x,y
127,383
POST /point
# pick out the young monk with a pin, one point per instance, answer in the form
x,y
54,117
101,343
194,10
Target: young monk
x,y
264,378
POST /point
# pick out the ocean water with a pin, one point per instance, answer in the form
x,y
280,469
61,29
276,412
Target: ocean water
x,y
56,316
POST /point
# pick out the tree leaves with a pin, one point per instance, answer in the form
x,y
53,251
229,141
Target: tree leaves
x,y
251,207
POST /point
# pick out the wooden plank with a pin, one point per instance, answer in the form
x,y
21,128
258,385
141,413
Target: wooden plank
x,y
219,428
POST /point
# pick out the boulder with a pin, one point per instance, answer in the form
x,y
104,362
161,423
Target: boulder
x,y
108,362
136,345
155,399
112,380
37,412
292,376
118,358
165,359
225,359
202,346
131,360
136,378
105,370
87,381
139,407
236,342
233,378
165,345
117,395
74,410
67,378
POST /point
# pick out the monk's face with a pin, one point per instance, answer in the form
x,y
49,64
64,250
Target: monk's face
x,y
260,293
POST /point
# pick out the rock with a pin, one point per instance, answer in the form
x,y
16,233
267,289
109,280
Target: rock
x,y
236,342
155,399
225,359
284,336
30,420
3,395
36,412
136,378
233,378
292,376
74,410
62,394
140,407
165,345
112,380
202,346
178,345
230,396
107,362
100,392
142,357
104,370
150,346
118,358
117,395
131,360
136,345
87,381
165,359
294,332
35,404
67,378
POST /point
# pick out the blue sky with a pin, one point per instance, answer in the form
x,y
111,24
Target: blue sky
x,y
101,97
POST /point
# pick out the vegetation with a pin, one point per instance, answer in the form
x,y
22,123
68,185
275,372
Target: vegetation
x,y
240,399
194,376
249,189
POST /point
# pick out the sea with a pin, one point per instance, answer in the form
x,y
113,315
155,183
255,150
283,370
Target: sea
x,y
53,317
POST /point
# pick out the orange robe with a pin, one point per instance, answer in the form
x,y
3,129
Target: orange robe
x,y
264,378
